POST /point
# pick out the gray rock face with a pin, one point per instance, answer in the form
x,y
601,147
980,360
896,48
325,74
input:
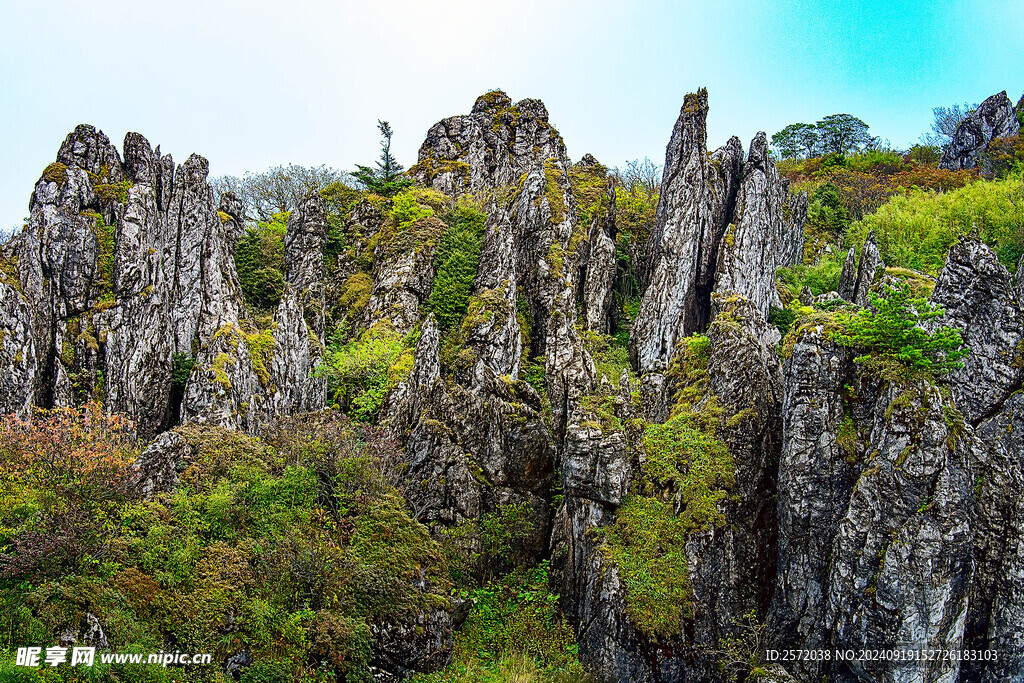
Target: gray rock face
x,y
472,452
996,616
491,147
17,350
721,225
847,288
875,517
855,281
600,269
753,244
401,285
981,301
727,572
811,461
697,193
125,266
994,118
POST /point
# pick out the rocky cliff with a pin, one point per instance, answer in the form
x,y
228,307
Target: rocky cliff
x,y
994,118
717,484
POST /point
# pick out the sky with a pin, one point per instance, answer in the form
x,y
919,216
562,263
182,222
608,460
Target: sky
x,y
252,84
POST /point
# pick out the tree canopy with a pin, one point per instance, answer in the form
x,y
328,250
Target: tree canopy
x,y
834,134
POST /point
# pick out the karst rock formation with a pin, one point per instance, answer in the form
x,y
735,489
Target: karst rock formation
x,y
861,513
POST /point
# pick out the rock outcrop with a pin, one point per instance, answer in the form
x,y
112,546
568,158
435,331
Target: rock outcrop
x,y
722,225
698,191
855,280
994,118
126,268
859,507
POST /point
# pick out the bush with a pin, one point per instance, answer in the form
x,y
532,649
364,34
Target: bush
x,y
890,331
290,548
259,261
515,628
455,263
916,230
361,373
647,543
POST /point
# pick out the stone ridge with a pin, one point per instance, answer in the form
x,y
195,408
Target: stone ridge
x,y
124,267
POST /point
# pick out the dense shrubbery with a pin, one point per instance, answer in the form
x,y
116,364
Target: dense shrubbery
x,y
362,372
515,633
286,548
456,261
915,230
687,470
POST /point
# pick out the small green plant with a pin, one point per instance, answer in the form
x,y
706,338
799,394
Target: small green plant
x,y
181,369
782,318
890,331
259,261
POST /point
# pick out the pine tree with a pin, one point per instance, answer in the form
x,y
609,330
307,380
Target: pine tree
x,y
387,179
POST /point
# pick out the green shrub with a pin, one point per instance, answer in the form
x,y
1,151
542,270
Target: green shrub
x,y
819,277
825,210
916,230
455,263
782,318
361,373
890,331
181,369
647,543
514,629
259,261
692,461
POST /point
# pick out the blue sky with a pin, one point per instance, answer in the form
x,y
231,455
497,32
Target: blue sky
x,y
250,84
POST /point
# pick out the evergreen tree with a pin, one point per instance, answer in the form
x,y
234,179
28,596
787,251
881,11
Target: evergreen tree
x,y
387,179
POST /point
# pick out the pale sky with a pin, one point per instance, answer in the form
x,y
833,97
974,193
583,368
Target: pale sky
x,y
252,84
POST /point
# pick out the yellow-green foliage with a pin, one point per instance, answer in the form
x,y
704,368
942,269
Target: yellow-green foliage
x,y
554,191
106,243
261,351
361,373
487,306
692,461
411,225
647,543
9,270
297,543
634,214
113,192
588,186
219,367
610,357
687,470
355,295
515,632
846,437
432,167
55,173
915,230
556,258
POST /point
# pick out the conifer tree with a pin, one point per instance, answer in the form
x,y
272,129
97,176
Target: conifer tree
x,y
387,179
